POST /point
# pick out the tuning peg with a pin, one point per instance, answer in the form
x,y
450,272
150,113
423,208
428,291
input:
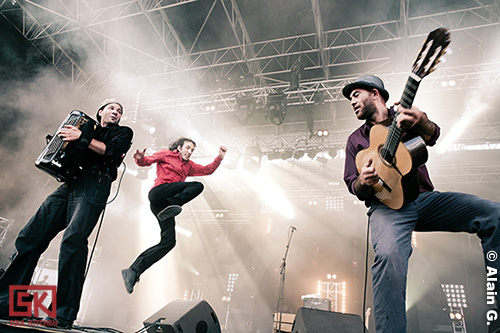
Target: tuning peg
x,y
448,51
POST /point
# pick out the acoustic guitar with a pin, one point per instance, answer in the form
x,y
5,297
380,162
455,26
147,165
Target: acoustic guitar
x,y
396,154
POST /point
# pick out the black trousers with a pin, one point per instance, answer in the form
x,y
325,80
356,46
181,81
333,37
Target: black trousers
x,y
74,207
160,197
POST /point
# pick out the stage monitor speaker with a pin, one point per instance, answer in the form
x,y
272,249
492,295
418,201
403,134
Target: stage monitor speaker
x,y
320,321
317,303
184,316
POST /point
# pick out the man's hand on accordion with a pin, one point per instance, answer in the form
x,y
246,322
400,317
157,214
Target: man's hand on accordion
x,y
69,133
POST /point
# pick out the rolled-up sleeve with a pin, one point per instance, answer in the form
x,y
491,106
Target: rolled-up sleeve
x,y
434,137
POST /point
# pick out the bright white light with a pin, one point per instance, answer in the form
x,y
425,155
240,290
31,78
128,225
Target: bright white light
x,y
183,231
484,146
473,109
148,128
273,196
129,171
150,225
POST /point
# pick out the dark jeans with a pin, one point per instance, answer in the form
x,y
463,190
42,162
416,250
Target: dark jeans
x,y
391,238
74,207
160,197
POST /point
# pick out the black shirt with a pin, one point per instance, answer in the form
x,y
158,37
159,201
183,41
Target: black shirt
x,y
118,140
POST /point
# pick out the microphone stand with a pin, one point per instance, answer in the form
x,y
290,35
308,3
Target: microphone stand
x,y
279,306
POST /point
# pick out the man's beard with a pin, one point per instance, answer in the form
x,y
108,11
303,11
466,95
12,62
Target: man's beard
x,y
368,111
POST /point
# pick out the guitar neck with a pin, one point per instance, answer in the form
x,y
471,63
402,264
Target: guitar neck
x,y
394,136
410,91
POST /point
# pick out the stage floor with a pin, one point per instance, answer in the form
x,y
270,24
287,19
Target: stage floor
x,y
32,325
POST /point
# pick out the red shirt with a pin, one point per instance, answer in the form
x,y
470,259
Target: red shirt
x,y
171,168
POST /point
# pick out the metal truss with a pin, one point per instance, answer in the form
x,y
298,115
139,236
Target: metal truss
x,y
465,77
328,59
466,174
323,54
45,25
5,225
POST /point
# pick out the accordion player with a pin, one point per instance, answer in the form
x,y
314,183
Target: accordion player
x,y
60,158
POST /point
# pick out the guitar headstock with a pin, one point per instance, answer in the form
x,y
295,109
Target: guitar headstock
x,y
434,47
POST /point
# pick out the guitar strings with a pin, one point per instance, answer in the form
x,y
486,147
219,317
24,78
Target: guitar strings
x,y
393,133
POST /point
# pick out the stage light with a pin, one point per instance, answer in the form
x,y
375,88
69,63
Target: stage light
x,y
245,107
295,73
298,154
450,83
210,108
252,159
455,298
274,155
312,152
231,281
322,133
318,98
276,108
333,152
335,203
286,154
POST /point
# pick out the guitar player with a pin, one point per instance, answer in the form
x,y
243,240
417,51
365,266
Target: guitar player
x,y
391,229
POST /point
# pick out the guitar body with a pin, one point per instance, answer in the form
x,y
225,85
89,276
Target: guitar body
x,y
398,182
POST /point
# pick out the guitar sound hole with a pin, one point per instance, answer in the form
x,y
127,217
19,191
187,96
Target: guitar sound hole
x,y
386,156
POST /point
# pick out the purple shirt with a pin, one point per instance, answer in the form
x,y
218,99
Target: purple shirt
x,y
359,140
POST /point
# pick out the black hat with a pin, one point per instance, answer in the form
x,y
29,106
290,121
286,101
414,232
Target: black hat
x,y
103,105
366,82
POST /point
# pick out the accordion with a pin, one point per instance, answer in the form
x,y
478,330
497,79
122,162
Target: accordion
x,y
61,159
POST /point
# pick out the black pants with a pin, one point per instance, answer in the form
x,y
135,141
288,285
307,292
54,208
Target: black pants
x,y
75,208
160,197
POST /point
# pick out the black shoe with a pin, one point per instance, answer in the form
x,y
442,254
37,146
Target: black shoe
x,y
58,322
169,212
130,278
